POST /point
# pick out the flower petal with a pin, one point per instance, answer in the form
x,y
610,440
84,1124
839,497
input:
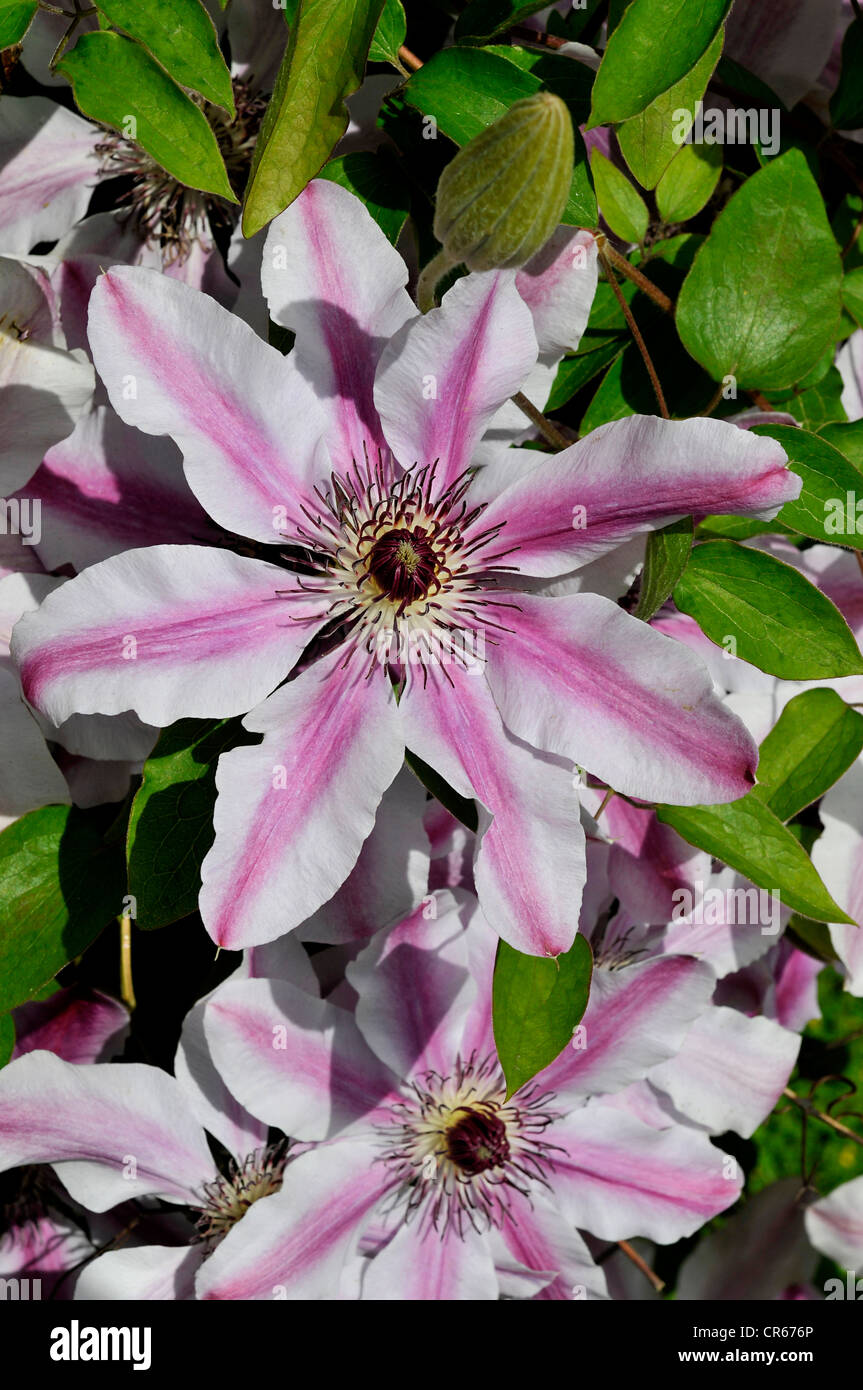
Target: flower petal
x,y
294,1244
838,857
631,476
637,1017
142,1273
390,877
109,488
756,1255
582,679
293,812
415,988
730,1071
835,1224
112,1133
558,285
444,376
619,1178
47,154
175,362
207,1095
79,1025
529,865
171,631
541,1238
293,1061
421,1265
331,276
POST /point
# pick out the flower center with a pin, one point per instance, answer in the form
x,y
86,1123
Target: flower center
x,y
478,1141
229,1198
461,1149
403,564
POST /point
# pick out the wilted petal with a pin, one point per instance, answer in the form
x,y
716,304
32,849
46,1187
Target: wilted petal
x,y
756,1254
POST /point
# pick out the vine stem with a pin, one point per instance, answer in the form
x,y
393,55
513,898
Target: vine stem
x,y
633,1255
549,432
635,275
809,1109
409,59
127,988
635,331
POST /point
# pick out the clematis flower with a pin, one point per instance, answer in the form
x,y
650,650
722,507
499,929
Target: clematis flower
x,y
834,1224
419,1156
349,464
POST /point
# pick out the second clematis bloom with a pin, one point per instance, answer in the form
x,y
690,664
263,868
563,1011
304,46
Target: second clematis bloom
x,y
390,610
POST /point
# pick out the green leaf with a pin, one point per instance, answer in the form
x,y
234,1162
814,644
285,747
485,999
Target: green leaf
x,y
647,140
846,104
621,204
689,182
780,622
390,34
575,372
811,937
61,881
7,1038
466,89
761,301
171,823
852,293
750,838
458,806
537,1002
826,509
847,438
485,19
113,80
182,37
376,180
737,528
324,63
816,738
665,557
655,45
817,405
15,20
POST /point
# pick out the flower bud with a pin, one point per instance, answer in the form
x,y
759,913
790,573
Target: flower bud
x,y
503,195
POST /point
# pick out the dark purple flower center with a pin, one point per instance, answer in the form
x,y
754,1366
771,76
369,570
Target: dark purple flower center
x,y
403,564
477,1142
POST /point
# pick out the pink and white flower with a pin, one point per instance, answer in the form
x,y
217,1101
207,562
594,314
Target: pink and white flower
x,y
349,464
421,1159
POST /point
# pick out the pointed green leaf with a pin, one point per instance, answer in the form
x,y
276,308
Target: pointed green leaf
x,y
182,37
655,45
620,202
750,838
816,738
665,557
390,34
115,81
14,22
324,63
826,509
537,1002
647,140
61,882
778,620
689,182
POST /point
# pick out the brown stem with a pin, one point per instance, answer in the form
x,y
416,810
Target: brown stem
x,y
127,988
545,427
536,36
714,400
634,274
809,1109
761,401
641,1264
409,59
636,333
